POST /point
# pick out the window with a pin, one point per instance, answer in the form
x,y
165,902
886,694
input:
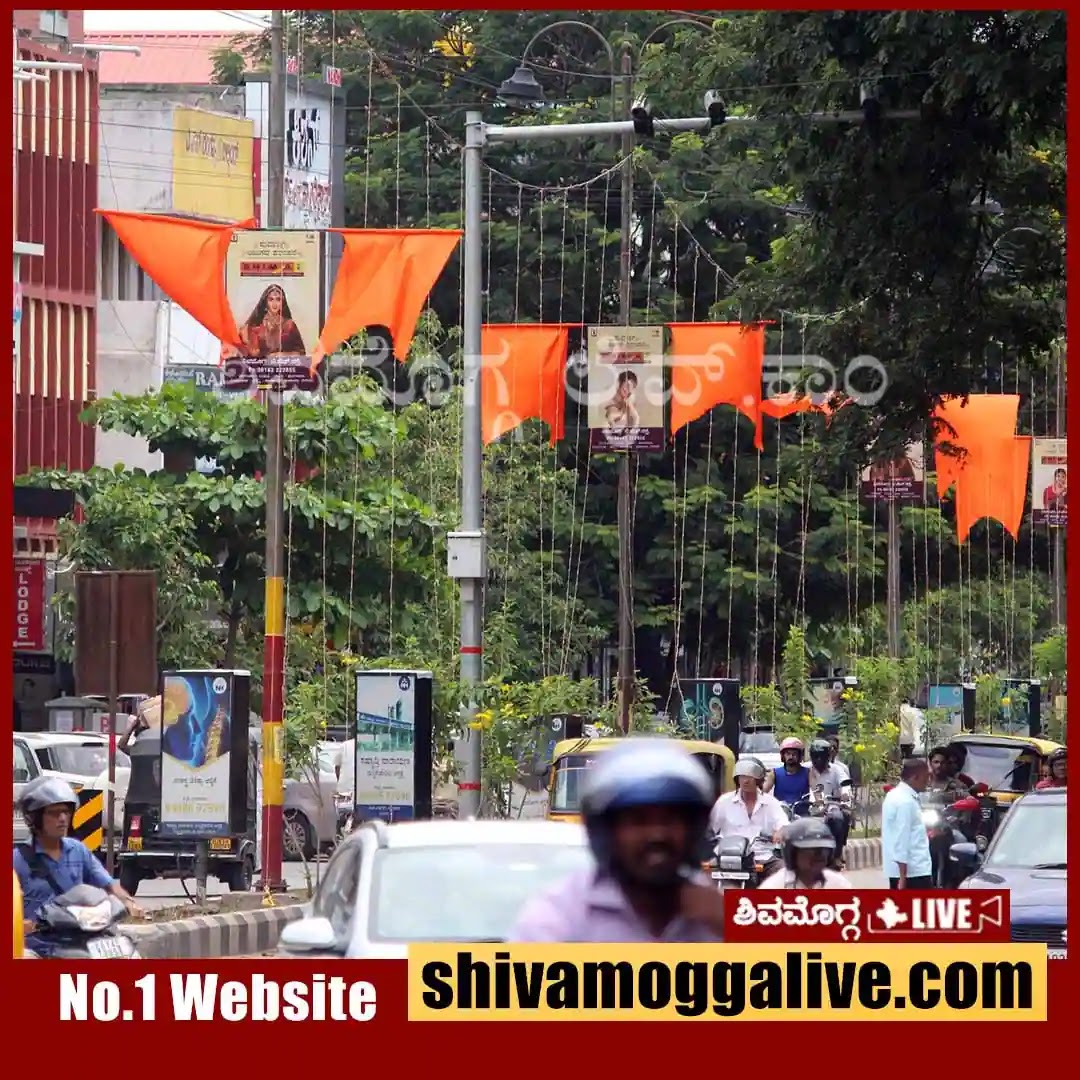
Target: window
x,y
23,768
53,24
336,898
1032,836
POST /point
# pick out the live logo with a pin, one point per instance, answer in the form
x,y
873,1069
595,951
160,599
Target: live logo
x,y
867,915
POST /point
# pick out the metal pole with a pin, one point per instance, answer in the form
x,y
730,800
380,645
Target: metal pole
x,y
114,708
467,749
273,733
1059,533
892,582
626,683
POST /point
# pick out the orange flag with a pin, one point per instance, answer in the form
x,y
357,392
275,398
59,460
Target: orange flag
x,y
383,280
780,405
984,419
523,376
716,364
186,260
994,486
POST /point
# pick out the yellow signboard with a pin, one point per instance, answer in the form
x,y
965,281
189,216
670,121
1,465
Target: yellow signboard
x,y
212,165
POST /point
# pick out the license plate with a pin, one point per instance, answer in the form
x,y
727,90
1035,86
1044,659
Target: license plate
x,y
221,845
734,877
106,948
134,843
1057,954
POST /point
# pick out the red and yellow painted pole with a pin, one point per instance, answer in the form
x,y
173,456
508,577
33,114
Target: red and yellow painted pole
x,y
273,734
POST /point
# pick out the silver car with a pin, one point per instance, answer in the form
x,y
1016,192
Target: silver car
x,y
389,885
24,768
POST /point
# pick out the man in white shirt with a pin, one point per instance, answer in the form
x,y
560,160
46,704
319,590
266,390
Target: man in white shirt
x,y
912,726
747,811
905,845
835,783
808,848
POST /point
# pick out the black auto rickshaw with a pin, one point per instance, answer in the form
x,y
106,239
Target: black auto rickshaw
x,y
144,853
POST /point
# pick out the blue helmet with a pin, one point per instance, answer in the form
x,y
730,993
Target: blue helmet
x,y
643,772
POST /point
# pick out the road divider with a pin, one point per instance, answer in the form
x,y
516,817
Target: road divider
x,y
234,933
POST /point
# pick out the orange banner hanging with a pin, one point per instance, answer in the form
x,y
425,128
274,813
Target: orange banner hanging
x,y
995,486
384,279
186,260
716,364
523,377
980,421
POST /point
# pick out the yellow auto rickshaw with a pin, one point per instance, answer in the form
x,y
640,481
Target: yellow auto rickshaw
x,y
571,759
17,917
1001,769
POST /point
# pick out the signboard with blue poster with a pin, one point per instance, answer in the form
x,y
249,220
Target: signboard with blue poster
x,y
204,753
393,745
711,710
949,699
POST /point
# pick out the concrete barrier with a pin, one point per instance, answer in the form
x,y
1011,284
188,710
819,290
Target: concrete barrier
x,y
863,854
235,933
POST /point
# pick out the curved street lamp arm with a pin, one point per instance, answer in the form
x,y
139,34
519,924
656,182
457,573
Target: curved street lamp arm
x,y
581,26
663,26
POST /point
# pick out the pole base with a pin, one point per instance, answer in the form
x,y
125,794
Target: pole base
x,y
264,885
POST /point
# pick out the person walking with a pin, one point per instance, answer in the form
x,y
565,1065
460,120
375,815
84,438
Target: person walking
x,y
905,845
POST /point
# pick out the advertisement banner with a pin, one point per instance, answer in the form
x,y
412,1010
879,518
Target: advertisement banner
x,y
1049,482
901,480
711,710
28,633
274,284
393,745
626,387
204,729
212,165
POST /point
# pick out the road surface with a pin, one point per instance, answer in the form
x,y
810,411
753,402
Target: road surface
x,y
169,893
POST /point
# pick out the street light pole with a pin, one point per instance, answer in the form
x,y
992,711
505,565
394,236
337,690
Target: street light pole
x,y
273,731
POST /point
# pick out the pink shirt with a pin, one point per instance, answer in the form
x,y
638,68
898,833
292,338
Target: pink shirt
x,y
588,906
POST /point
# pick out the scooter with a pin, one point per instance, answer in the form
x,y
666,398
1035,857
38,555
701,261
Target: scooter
x,y
742,863
81,925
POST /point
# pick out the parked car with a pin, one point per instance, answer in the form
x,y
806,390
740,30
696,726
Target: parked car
x,y
310,814
82,759
1028,856
761,743
24,768
388,885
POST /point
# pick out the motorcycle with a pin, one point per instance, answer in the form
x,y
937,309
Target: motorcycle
x,y
941,815
81,924
742,863
343,803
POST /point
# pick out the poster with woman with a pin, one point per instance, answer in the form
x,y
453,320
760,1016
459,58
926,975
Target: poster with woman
x,y
274,285
1049,482
626,387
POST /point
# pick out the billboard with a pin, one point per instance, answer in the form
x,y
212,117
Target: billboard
x,y
274,283
711,710
903,479
28,633
393,745
1049,482
212,164
626,387
307,165
204,753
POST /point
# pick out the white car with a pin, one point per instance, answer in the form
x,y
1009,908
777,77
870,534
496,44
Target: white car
x,y
389,885
761,743
81,758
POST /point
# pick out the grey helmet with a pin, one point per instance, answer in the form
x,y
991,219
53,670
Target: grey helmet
x,y
806,834
644,772
750,766
46,791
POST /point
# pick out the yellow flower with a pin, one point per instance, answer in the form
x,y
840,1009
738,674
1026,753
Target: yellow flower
x,y
859,748
1006,701
846,695
484,715
859,714
807,718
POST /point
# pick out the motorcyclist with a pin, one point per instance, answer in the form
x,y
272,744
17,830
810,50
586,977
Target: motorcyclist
x,y
748,811
790,781
54,862
832,784
940,779
834,755
1058,771
809,847
955,757
645,806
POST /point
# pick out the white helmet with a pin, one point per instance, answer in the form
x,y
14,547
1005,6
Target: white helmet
x,y
750,767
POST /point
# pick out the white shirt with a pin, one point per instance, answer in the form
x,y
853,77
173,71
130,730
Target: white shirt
x,y
912,723
903,834
831,780
730,816
785,879
843,770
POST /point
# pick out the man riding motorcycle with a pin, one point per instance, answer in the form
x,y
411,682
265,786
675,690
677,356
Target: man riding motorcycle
x,y
809,847
833,784
53,862
748,811
646,811
789,782
1058,771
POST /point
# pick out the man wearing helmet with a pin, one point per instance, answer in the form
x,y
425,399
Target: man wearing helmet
x,y
748,811
646,808
789,782
54,862
1058,771
833,784
809,847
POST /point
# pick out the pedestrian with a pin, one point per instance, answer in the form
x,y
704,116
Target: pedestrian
x,y
912,723
646,810
905,845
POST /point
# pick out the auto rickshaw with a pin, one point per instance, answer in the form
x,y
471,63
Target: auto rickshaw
x,y
144,853
571,759
1002,768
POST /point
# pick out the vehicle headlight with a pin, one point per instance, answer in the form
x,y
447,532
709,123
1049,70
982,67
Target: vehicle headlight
x,y
931,817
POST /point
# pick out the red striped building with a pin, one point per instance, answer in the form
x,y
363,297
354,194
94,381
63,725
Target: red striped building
x,y
55,156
